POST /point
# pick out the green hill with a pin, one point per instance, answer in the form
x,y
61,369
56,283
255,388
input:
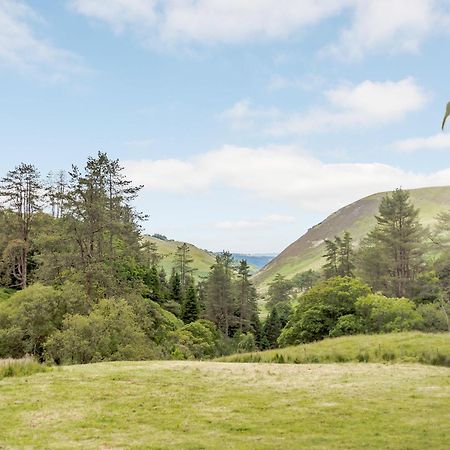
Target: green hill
x,y
203,259
210,405
357,218
426,348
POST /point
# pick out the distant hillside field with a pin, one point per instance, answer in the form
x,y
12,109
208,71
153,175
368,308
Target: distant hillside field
x,y
209,405
358,218
425,348
203,259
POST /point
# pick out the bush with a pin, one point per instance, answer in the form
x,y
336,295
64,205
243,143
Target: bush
x,y
199,340
319,310
109,333
245,342
433,317
380,314
347,325
30,316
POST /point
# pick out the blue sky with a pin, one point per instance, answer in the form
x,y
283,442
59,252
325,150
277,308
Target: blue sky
x,y
248,121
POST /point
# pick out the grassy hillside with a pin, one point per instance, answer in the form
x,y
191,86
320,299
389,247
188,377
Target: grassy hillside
x,y
358,218
395,347
203,259
207,405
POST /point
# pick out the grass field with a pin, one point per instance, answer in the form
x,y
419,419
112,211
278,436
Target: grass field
x,y
425,348
196,405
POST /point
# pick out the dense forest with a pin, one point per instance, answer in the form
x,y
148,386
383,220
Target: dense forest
x,y
80,283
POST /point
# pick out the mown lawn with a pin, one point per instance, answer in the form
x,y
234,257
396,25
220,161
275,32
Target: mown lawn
x,y
194,405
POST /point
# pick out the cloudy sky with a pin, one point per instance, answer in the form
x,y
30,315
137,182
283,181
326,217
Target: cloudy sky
x,y
247,121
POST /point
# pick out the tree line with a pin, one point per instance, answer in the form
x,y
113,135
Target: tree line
x,y
80,282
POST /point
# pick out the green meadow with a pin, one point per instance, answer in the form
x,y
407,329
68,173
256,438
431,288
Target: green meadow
x,y
212,405
410,347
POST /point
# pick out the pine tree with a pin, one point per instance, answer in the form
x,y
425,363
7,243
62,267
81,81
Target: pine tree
x,y
339,257
20,190
346,255
219,294
330,268
102,225
398,239
191,308
176,290
246,297
272,328
279,290
152,281
183,264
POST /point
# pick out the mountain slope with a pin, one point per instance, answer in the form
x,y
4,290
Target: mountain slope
x,y
358,218
203,259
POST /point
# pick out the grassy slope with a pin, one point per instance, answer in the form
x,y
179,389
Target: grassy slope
x,y
193,405
358,218
203,260
426,348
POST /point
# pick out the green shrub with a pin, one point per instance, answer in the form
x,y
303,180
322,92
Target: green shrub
x,y
199,340
347,325
434,319
245,342
32,315
109,333
380,314
319,310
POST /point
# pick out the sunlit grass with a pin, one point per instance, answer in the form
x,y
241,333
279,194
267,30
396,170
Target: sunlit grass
x,y
20,367
207,405
415,347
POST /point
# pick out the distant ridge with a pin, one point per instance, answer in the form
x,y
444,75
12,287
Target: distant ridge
x,y
358,218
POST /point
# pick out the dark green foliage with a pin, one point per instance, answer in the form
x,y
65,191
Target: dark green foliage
x,y
183,262
319,309
304,281
109,333
347,325
32,315
199,340
246,298
272,329
219,294
434,318
152,281
87,246
20,190
393,251
279,291
339,257
191,308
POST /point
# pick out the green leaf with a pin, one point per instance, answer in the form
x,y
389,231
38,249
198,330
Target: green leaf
x,y
447,113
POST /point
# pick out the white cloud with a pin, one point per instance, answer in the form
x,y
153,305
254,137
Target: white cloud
x,y
367,104
268,221
440,141
210,21
21,49
119,14
277,173
394,24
